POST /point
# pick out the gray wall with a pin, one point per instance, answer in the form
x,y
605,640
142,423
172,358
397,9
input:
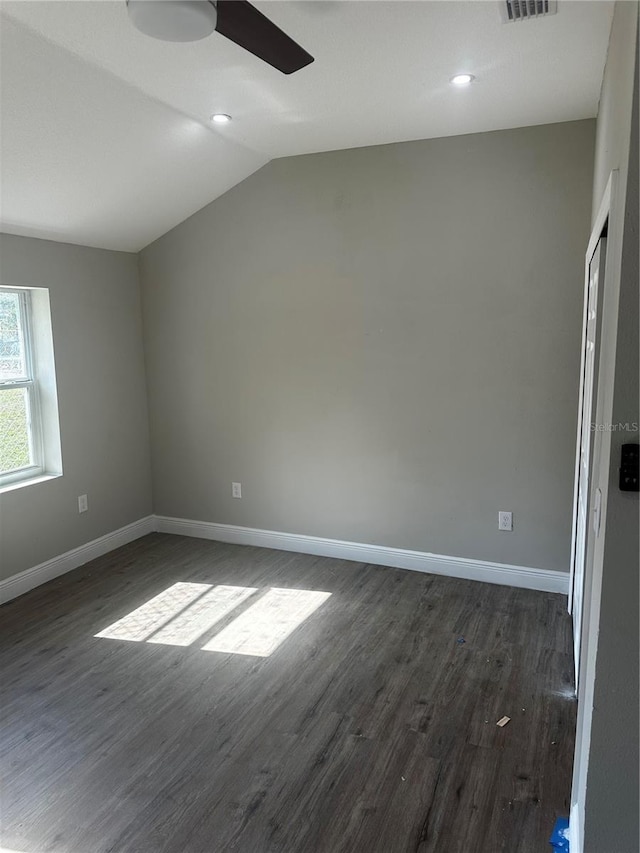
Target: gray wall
x,y
612,790
95,311
614,111
381,344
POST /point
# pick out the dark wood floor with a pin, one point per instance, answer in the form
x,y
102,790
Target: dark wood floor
x,y
369,730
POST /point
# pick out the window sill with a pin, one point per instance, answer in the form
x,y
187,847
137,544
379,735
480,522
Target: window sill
x,y
28,481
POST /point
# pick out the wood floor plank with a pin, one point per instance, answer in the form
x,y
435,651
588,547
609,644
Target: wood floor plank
x,y
370,729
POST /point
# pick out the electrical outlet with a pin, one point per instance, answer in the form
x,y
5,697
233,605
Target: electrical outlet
x,y
505,520
83,506
236,490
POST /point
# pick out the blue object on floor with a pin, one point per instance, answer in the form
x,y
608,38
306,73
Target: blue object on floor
x,y
460,640
560,836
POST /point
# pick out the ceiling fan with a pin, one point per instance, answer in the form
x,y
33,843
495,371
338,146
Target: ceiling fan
x,y
237,20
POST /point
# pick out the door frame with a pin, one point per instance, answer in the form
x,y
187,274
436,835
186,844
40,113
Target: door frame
x,y
601,219
611,208
587,445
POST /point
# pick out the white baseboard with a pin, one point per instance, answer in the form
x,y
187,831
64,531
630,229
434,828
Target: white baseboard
x,y
24,581
419,561
380,555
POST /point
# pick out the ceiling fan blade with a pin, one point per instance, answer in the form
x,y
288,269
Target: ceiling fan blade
x,y
241,22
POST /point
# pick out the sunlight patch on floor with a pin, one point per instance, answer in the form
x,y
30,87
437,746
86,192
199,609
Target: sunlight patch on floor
x,y
202,615
141,623
564,692
185,612
267,623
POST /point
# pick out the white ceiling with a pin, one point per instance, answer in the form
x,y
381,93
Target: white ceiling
x,y
105,133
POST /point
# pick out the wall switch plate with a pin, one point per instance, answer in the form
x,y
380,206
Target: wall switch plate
x,y
83,506
236,490
505,520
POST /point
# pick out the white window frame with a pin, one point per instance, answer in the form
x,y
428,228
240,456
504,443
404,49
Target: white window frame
x,y
30,383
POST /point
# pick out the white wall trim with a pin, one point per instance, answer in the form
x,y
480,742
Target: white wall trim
x,y
359,552
400,558
601,219
575,830
18,584
614,198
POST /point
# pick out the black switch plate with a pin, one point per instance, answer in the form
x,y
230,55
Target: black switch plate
x,y
629,468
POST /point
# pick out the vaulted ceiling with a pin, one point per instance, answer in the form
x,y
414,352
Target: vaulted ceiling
x,y
106,139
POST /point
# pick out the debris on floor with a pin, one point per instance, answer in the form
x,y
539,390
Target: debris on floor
x,y
503,721
461,640
560,836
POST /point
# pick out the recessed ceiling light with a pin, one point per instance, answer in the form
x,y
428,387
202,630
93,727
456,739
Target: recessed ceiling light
x,y
221,118
462,79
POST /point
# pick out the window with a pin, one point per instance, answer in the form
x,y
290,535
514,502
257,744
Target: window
x,y
28,447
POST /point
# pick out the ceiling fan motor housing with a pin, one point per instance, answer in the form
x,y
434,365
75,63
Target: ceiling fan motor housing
x,y
173,20
237,20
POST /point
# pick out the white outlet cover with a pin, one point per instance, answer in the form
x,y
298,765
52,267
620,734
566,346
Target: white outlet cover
x,y
505,520
236,490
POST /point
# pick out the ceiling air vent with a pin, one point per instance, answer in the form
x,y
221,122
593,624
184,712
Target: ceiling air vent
x,y
523,10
